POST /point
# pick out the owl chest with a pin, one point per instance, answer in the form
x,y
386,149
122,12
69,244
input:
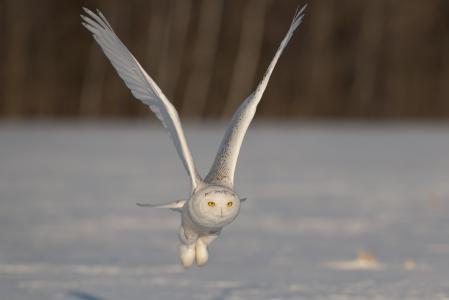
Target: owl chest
x,y
198,223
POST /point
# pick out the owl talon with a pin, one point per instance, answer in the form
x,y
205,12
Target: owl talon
x,y
201,253
187,255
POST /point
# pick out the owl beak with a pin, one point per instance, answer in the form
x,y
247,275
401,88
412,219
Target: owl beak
x,y
221,212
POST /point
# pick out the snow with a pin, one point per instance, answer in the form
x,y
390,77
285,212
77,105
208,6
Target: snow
x,y
334,211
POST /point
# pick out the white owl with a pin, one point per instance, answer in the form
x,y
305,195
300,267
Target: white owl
x,y
213,203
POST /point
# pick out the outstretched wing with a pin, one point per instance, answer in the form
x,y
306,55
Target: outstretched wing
x,y
141,86
175,205
222,171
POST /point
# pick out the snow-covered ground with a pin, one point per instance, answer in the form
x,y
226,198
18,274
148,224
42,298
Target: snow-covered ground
x,y
334,211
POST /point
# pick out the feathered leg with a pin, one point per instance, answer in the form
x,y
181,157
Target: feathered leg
x,y
201,253
188,239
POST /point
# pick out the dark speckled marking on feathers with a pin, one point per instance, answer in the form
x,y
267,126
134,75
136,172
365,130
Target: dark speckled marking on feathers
x,y
218,192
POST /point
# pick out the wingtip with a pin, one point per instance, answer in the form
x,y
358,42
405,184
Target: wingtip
x,y
300,10
299,15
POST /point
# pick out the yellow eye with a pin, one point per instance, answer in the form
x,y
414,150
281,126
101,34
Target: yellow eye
x,y
230,203
211,203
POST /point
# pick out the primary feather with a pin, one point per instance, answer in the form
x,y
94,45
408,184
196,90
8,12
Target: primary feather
x,y
223,168
141,86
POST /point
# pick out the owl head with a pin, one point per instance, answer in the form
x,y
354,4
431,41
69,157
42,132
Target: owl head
x,y
214,206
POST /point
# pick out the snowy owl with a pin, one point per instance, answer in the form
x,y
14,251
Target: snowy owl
x,y
213,203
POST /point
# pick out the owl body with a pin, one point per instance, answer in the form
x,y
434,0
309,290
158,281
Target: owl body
x,y
202,218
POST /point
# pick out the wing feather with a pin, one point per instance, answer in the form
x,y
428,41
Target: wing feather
x,y
141,85
175,205
223,168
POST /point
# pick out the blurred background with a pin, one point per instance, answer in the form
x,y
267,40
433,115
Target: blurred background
x,y
383,59
338,207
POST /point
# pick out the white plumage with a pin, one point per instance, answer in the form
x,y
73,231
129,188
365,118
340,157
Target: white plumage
x,y
141,86
222,171
213,203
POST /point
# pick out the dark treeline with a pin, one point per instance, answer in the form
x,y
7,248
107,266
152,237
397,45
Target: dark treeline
x,y
349,59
